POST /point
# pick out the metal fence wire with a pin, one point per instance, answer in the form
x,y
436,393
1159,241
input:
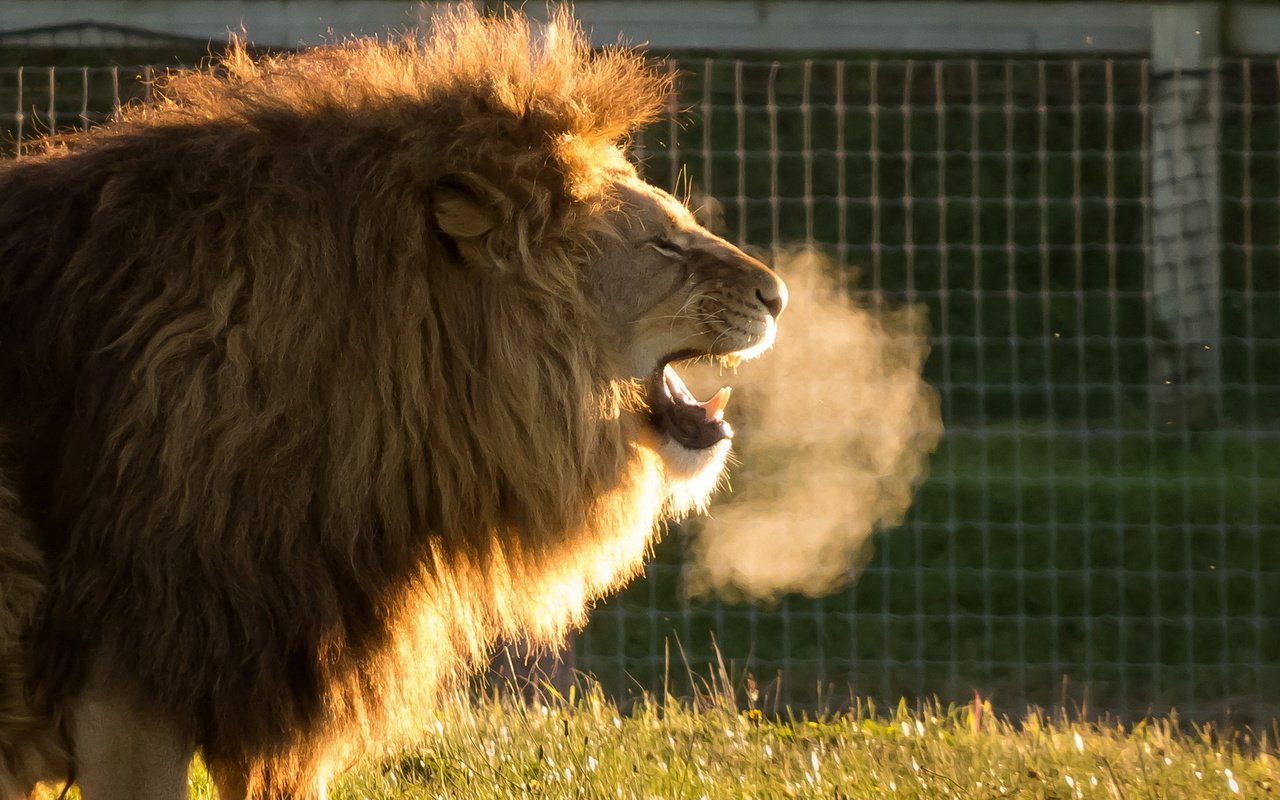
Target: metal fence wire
x,y
1098,247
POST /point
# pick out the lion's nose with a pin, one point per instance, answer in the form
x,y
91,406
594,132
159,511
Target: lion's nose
x,y
772,293
725,262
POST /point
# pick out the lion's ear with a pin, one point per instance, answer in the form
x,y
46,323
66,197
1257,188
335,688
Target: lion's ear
x,y
459,210
708,212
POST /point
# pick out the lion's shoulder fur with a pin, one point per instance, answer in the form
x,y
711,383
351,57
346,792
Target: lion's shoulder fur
x,y
274,438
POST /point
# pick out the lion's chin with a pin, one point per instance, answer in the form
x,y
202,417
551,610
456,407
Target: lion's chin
x,y
692,475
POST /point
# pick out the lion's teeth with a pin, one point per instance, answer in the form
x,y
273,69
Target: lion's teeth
x,y
714,408
675,384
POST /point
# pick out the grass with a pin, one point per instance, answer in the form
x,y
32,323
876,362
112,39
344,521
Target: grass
x,y
586,748
720,744
582,746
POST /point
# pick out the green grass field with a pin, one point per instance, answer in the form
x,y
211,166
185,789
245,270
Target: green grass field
x,y
580,745
588,750
583,747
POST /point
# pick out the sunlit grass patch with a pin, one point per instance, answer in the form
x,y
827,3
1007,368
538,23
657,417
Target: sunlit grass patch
x,y
582,746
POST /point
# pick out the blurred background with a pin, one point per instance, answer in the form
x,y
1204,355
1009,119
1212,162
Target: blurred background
x,y
1085,199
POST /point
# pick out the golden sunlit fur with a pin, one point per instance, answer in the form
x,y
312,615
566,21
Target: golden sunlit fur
x,y
305,398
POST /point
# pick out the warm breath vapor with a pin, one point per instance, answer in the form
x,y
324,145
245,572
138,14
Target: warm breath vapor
x,y
836,428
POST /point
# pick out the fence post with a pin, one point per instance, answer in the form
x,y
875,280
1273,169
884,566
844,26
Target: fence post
x,y
1185,268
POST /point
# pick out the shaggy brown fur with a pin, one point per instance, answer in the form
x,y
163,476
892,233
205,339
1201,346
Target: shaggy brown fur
x,y
30,745
280,454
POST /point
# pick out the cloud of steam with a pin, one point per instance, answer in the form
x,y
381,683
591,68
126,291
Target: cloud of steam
x,y
835,428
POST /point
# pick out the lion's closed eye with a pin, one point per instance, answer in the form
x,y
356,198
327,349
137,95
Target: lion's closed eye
x,y
666,247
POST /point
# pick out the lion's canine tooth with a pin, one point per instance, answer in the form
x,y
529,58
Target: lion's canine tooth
x,y
714,408
676,385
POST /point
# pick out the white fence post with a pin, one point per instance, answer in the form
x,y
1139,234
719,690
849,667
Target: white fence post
x,y
1185,268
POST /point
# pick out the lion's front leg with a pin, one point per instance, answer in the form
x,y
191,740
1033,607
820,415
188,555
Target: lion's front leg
x,y
125,749
235,781
32,747
230,780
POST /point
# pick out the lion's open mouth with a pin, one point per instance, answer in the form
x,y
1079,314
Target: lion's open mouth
x,y
674,411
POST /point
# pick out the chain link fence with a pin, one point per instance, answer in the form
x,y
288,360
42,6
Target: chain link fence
x,y
1101,528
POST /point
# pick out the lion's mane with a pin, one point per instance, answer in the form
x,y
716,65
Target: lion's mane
x,y
289,462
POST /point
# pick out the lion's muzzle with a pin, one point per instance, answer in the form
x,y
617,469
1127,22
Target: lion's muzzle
x,y
738,300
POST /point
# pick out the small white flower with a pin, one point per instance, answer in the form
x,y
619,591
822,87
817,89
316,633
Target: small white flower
x,y
1232,783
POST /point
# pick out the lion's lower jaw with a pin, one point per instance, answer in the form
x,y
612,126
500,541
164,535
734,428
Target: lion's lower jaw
x,y
692,475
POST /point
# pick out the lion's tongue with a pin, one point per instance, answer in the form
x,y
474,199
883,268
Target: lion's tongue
x,y
697,423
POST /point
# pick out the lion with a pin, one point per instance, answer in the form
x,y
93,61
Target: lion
x,y
322,373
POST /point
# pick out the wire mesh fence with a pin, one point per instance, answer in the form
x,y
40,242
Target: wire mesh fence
x,y
1102,521
1092,532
